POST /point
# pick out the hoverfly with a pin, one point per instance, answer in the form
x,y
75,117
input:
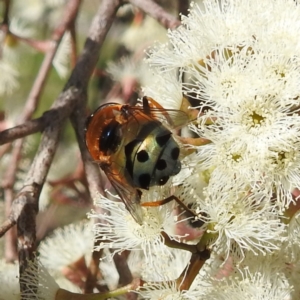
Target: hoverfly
x,y
135,147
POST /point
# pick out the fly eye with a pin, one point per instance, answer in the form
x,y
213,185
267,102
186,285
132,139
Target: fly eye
x,y
110,137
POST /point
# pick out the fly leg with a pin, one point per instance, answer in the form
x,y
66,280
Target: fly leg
x,y
179,202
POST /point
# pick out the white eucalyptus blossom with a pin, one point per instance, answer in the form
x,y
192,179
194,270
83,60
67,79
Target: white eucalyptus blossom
x,y
291,249
11,51
166,89
39,283
164,266
10,287
118,230
61,61
140,36
239,62
9,82
37,10
67,244
263,285
165,290
126,67
246,79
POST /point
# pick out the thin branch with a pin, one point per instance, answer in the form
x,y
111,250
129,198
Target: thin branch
x,y
120,260
188,275
64,294
26,248
11,253
25,129
25,206
92,170
93,273
74,92
6,12
178,245
27,199
78,117
70,14
73,45
157,12
7,224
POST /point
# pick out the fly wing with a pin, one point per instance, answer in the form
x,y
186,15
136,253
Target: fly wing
x,y
129,195
175,119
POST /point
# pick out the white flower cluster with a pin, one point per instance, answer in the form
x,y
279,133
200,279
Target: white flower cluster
x,y
239,62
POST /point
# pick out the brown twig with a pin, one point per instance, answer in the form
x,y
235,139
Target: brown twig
x,y
70,14
73,44
74,92
64,294
6,12
178,245
27,128
157,12
93,273
78,116
120,261
188,275
30,106
125,276
25,206
11,253
92,170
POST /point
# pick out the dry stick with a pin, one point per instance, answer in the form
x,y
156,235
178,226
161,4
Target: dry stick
x,y
78,116
92,171
73,45
6,12
93,272
94,181
74,93
125,276
25,206
157,12
30,106
25,129
196,263
70,14
28,197
122,267
39,124
11,251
